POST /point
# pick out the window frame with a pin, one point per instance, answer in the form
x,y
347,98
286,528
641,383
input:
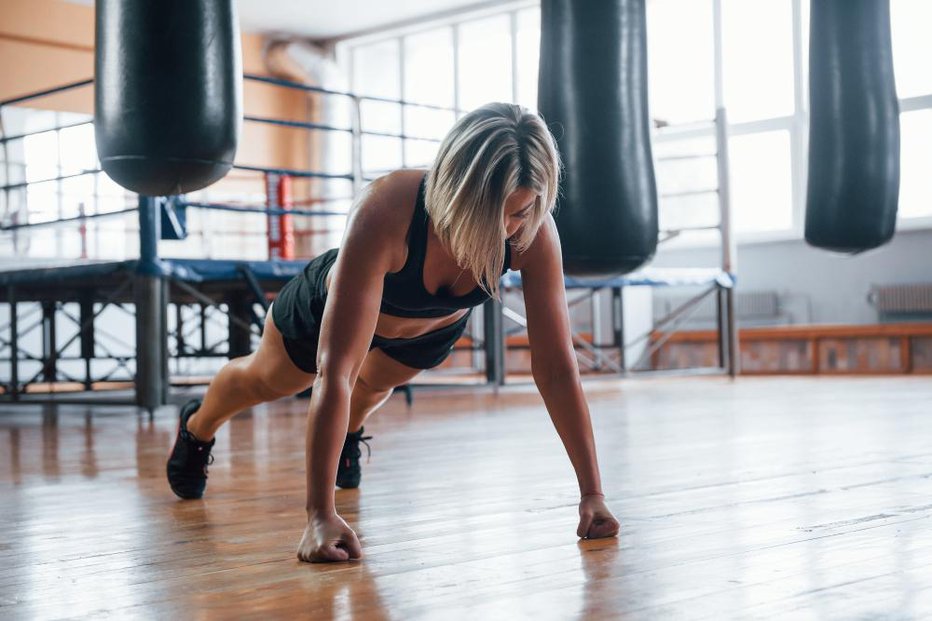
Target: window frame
x,y
797,124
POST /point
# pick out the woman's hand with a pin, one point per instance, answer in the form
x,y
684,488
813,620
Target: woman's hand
x,y
328,538
595,520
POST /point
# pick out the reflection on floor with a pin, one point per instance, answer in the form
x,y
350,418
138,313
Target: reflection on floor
x,y
769,497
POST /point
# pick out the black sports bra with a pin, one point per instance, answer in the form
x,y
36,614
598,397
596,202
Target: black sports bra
x,y
403,292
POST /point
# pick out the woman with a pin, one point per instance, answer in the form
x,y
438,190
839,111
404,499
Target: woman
x,y
419,252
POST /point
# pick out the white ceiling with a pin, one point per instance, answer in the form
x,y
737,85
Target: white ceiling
x,y
326,19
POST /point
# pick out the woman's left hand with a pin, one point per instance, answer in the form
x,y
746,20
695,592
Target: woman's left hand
x,y
595,520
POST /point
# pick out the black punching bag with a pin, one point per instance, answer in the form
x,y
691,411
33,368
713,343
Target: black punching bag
x,y
168,92
854,131
593,95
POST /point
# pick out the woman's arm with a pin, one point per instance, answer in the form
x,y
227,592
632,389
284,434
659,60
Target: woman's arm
x,y
556,373
347,327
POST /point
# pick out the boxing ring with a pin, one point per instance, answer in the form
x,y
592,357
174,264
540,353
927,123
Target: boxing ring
x,y
96,287
196,309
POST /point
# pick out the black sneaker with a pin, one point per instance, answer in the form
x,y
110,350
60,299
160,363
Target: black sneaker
x,y
187,464
348,472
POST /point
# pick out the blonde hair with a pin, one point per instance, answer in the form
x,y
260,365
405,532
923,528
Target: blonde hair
x,y
488,154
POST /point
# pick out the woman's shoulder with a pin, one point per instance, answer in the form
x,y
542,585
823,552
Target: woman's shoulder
x,y
385,207
391,197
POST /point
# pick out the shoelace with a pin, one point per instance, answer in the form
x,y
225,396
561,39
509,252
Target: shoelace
x,y
210,460
200,448
368,448
359,452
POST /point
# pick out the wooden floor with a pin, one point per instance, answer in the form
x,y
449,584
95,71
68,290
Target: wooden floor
x,y
766,498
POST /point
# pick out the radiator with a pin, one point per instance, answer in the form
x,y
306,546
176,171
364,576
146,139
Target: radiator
x,y
902,301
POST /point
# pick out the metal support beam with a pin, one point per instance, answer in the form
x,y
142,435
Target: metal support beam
x,y
729,246
14,343
356,120
721,321
203,327
86,328
148,299
477,336
595,318
179,330
150,308
734,351
618,326
253,283
174,217
494,329
165,290
240,334
49,343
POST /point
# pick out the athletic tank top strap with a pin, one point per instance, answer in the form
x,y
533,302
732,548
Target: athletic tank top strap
x,y
407,276
403,292
417,238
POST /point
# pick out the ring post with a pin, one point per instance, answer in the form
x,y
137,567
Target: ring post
x,y
148,296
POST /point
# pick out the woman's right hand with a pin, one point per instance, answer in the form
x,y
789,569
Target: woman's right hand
x,y
328,538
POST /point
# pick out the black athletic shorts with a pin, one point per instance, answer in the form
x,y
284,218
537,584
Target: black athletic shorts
x,y
299,307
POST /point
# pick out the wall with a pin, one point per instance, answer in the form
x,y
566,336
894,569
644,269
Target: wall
x,y
46,43
836,286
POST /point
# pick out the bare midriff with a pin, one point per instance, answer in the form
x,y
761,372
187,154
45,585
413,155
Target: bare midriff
x,y
394,327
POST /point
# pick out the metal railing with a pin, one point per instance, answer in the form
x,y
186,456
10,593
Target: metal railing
x,y
357,175
150,313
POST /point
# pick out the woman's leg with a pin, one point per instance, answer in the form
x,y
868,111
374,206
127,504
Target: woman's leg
x,y
266,374
378,376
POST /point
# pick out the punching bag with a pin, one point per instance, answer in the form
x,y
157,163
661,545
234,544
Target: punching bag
x,y
854,130
593,96
168,92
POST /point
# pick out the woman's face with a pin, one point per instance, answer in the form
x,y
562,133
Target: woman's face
x,y
518,208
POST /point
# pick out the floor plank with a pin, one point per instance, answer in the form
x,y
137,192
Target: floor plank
x,y
767,498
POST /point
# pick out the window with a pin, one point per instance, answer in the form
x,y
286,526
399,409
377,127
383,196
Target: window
x,y
375,70
758,93
41,151
485,62
680,60
764,51
527,55
57,156
428,69
78,152
915,164
77,146
760,180
428,79
684,168
758,59
376,73
912,46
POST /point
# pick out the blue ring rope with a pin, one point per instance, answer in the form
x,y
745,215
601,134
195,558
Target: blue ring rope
x,y
89,216
272,211
50,91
